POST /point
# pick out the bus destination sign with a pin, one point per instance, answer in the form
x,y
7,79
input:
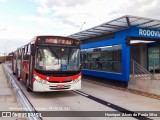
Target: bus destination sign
x,y
59,41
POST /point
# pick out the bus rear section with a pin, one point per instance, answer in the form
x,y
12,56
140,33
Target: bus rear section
x,y
52,64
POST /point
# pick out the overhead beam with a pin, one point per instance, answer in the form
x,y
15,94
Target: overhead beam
x,y
128,22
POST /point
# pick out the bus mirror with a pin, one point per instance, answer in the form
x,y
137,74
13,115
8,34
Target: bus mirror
x,y
32,49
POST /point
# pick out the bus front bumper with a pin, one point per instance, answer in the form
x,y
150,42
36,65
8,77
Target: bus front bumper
x,y
47,86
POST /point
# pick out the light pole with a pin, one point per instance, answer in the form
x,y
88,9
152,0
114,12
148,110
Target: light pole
x,y
80,27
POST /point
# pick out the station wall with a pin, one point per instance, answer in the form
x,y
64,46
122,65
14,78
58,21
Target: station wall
x,y
120,39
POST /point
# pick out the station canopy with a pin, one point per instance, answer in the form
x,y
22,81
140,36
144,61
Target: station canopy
x,y
118,24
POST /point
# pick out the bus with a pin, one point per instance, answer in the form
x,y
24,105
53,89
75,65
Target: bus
x,y
49,63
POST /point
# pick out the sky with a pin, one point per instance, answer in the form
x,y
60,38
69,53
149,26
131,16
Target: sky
x,y
21,20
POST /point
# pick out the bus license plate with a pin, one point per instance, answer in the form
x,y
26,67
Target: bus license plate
x,y
60,86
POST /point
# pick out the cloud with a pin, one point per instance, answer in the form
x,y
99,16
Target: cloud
x,y
3,0
143,8
62,3
47,26
94,12
10,45
67,12
43,21
61,17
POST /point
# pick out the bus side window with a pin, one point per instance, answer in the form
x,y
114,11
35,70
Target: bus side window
x,y
26,57
32,49
26,52
23,53
29,48
19,54
14,56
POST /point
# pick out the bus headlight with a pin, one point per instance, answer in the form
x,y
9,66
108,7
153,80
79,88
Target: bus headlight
x,y
78,79
38,79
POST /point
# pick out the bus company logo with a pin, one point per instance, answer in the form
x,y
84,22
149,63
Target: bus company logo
x,y
149,33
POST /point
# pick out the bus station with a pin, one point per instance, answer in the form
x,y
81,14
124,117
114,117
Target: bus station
x,y
125,47
47,76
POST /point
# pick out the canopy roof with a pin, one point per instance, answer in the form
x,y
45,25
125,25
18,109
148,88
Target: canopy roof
x,y
122,23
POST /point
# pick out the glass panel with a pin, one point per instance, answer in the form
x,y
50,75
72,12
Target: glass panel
x,y
57,59
122,20
154,59
156,26
140,21
132,19
119,23
150,24
107,58
106,28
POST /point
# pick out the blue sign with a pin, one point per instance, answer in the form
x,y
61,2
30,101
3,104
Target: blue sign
x,y
64,67
149,33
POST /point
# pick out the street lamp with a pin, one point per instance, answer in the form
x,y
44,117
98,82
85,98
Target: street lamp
x,y
80,27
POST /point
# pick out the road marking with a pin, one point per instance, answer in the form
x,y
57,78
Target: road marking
x,y
79,92
110,105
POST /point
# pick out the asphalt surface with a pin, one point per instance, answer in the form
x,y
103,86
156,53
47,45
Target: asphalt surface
x,y
77,101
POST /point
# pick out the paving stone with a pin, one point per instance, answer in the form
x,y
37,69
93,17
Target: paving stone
x,y
4,85
5,91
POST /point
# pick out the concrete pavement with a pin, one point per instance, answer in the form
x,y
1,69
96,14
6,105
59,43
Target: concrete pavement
x,y
8,100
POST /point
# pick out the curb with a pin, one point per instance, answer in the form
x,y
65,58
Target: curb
x,y
26,105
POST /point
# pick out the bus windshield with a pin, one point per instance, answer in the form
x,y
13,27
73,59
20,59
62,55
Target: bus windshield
x,y
57,58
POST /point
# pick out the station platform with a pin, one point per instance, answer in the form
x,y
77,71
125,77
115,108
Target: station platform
x,y
8,100
150,85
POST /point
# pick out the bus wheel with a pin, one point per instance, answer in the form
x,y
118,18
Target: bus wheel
x,y
27,86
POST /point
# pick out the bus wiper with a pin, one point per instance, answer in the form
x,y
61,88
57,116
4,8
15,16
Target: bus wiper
x,y
54,52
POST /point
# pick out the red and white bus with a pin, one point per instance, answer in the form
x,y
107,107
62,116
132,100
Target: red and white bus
x,y
49,63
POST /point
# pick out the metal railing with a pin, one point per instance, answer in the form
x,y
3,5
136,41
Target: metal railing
x,y
26,105
138,71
